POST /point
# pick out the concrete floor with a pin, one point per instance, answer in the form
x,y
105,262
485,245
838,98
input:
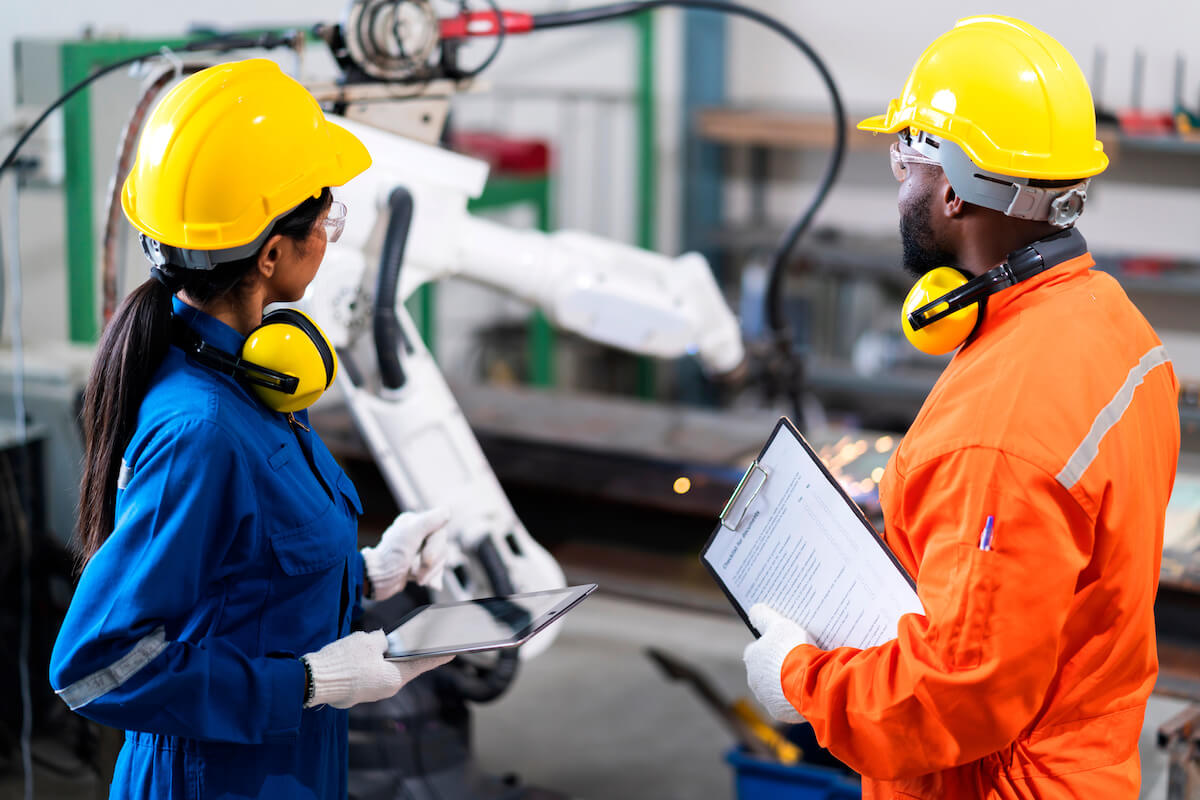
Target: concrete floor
x,y
594,718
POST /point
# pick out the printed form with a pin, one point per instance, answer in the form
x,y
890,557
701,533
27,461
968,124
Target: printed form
x,y
801,548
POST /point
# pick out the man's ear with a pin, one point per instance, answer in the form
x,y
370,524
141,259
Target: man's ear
x,y
952,204
269,255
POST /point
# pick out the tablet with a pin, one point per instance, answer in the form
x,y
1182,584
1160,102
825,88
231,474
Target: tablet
x,y
488,623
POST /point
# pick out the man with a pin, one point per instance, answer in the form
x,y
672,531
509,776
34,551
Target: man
x,y
1028,498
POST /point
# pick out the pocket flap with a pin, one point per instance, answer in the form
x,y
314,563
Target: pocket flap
x,y
346,487
306,550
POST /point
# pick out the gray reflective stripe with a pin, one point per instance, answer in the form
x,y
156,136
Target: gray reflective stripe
x,y
103,681
1083,456
124,475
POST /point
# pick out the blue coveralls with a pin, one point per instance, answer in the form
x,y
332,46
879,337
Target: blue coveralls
x,y
233,553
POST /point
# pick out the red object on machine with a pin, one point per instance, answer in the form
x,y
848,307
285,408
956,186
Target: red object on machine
x,y
505,154
484,23
1135,122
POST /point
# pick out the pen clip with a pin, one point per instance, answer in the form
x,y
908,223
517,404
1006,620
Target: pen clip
x,y
985,538
754,465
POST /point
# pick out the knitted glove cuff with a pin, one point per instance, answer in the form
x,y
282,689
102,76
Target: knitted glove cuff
x,y
765,674
333,679
386,575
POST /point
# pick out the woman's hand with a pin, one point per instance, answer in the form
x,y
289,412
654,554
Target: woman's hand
x,y
352,670
415,545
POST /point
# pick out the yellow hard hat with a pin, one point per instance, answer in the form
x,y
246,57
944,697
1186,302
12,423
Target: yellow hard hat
x,y
229,150
1008,94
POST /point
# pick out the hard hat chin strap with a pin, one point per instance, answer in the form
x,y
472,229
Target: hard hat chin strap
x,y
1060,205
1055,206
160,254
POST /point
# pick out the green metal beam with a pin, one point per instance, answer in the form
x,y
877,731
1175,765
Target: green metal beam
x,y
501,192
77,61
647,167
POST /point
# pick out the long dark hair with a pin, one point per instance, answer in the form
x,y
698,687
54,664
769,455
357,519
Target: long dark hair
x,y
131,350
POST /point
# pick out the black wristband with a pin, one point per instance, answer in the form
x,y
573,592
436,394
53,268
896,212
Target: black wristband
x,y
310,686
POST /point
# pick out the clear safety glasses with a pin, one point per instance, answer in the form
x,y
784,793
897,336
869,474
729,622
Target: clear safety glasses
x,y
901,160
335,221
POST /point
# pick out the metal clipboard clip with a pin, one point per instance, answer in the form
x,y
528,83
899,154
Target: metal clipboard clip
x,y
737,493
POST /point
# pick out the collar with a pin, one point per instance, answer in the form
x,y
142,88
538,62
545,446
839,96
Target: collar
x,y
210,329
1011,300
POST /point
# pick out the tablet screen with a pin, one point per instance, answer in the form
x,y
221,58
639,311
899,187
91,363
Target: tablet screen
x,y
482,624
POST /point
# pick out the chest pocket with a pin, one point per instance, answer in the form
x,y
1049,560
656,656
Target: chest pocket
x,y
307,551
308,532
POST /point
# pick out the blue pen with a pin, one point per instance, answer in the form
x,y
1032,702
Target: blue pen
x,y
985,538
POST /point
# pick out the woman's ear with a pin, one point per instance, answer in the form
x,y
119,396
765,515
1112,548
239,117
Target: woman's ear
x,y
269,255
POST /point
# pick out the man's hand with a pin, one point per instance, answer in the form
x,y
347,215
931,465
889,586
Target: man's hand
x,y
415,545
764,659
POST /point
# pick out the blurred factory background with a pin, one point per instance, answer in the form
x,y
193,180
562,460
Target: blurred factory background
x,y
672,131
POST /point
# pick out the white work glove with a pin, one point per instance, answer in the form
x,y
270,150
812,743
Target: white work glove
x,y
415,545
352,670
764,659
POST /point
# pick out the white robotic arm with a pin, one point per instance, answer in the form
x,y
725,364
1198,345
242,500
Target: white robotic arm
x,y
609,292
603,290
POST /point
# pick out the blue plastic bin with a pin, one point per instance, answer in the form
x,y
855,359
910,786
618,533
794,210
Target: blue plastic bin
x,y
755,779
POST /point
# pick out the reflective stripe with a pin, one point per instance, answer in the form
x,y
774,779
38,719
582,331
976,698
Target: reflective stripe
x,y
103,681
124,475
1083,456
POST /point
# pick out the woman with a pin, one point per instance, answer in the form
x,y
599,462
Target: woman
x,y
218,535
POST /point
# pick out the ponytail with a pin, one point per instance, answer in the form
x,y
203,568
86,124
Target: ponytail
x,y
131,350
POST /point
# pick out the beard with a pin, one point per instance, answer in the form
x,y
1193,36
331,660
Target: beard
x,y
921,252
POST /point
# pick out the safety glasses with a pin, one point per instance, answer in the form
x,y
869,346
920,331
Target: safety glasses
x,y
335,221
901,160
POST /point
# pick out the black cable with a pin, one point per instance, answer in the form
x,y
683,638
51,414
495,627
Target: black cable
x,y
217,43
19,498
775,313
501,32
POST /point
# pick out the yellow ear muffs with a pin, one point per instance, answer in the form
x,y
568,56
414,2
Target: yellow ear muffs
x,y
945,334
289,342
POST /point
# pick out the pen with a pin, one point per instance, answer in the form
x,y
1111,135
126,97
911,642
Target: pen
x,y
985,538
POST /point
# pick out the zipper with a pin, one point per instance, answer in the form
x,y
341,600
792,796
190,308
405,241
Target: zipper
x,y
296,427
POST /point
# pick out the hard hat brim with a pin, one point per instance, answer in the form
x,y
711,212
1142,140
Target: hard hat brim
x,y
877,124
353,158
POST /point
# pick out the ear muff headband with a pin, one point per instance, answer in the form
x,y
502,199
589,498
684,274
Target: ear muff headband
x,y
226,363
940,325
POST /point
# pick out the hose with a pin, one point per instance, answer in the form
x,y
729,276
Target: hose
x,y
126,150
388,332
482,684
221,44
773,300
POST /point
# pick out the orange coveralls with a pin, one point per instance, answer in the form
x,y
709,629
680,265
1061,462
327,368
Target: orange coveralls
x,y
1028,676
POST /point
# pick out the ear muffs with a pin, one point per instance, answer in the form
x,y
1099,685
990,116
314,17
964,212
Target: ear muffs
x,y
286,360
288,342
945,328
943,308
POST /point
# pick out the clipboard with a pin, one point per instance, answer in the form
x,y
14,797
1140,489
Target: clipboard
x,y
757,476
